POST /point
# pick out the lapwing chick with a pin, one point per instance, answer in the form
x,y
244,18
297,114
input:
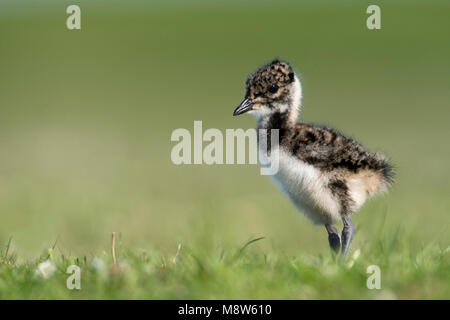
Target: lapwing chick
x,y
327,175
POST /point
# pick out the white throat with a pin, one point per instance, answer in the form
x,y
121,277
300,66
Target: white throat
x,y
296,100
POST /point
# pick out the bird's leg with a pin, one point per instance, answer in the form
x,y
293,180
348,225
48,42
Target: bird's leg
x,y
347,235
333,239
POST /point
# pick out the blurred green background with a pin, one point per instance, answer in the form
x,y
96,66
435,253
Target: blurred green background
x,y
86,118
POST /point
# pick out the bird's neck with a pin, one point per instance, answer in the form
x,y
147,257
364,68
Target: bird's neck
x,y
276,120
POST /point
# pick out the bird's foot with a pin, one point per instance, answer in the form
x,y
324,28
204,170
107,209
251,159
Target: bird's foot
x,y
347,236
334,240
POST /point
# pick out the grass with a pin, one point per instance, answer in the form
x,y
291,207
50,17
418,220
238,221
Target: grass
x,y
85,124
241,273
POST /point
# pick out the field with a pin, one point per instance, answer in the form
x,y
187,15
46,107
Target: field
x,y
85,123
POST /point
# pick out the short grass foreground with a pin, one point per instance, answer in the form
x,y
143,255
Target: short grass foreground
x,y
243,273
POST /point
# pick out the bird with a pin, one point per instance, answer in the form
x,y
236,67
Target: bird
x,y
327,175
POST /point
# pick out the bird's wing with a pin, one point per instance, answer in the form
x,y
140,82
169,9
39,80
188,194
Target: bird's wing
x,y
326,148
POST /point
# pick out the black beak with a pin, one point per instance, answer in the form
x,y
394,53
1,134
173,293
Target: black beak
x,y
244,107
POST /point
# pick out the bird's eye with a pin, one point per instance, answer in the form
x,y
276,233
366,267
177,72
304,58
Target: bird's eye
x,y
273,88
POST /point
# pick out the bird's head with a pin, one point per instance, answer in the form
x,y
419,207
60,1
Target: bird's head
x,y
272,88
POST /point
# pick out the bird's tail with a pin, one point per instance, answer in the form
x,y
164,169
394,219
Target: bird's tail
x,y
384,175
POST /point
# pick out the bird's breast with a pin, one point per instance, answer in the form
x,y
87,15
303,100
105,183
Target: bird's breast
x,y
307,186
